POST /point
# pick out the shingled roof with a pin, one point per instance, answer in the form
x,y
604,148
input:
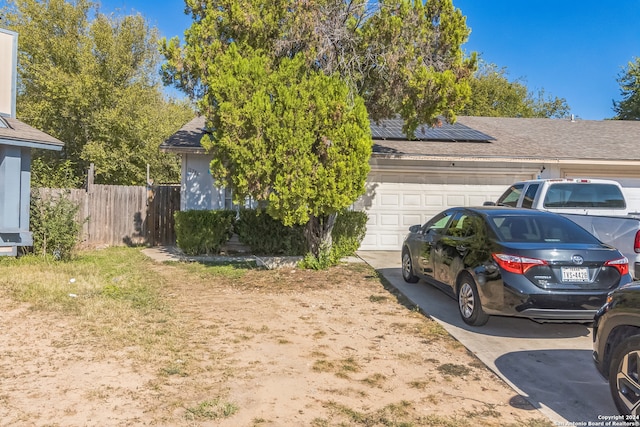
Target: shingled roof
x,y
486,137
20,134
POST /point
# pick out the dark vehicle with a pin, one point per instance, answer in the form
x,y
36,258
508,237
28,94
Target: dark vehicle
x,y
514,262
616,346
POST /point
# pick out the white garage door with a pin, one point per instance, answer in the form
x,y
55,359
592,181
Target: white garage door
x,y
395,201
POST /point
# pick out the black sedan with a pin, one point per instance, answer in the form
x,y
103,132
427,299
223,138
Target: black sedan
x,y
616,347
514,262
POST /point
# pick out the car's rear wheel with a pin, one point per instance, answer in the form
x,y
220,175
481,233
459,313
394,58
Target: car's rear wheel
x,y
624,373
469,303
407,268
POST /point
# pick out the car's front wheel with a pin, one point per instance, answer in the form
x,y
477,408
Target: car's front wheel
x,y
623,376
469,302
407,268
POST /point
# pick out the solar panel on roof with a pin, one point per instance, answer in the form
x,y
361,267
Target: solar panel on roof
x,y
392,129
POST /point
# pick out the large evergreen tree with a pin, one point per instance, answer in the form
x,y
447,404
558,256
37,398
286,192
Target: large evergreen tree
x,y
293,138
92,81
287,88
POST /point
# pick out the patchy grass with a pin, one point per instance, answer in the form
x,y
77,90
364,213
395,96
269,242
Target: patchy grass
x,y
203,339
454,370
210,410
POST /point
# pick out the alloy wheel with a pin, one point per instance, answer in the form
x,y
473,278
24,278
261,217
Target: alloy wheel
x,y
466,301
628,382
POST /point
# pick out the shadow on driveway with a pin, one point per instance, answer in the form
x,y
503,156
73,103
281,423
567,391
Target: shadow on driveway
x,y
549,364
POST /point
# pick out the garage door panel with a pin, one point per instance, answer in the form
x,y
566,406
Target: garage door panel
x,y
411,199
456,200
476,200
404,200
409,220
434,200
389,199
390,240
370,240
389,219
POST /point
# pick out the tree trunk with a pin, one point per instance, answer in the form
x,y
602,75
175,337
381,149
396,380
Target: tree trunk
x,y
318,233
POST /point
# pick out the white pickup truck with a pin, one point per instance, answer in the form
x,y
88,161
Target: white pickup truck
x,y
597,205
576,196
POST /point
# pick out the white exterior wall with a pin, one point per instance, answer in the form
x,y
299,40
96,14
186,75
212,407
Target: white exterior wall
x,y
197,189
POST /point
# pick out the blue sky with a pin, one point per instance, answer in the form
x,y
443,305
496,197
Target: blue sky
x,y
573,49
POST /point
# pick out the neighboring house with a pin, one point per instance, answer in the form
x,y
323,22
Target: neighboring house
x,y
16,142
464,164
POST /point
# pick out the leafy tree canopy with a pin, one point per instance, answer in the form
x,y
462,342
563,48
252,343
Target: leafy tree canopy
x,y
629,79
91,80
494,95
402,57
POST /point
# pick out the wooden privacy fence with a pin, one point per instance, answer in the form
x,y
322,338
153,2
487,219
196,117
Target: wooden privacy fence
x,y
119,215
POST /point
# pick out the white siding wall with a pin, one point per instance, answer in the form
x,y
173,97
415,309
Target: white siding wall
x,y
197,190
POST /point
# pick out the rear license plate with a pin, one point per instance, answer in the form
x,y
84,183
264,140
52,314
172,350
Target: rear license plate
x,y
575,274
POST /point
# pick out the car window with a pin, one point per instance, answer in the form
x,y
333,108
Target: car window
x,y
530,195
511,196
584,195
437,223
462,225
540,229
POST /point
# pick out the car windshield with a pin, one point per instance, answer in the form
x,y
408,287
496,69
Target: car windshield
x,y
539,229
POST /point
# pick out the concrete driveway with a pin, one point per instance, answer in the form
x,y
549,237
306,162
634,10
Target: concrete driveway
x,y
548,364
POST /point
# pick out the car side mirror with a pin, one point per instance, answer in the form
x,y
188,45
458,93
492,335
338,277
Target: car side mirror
x,y
489,204
415,228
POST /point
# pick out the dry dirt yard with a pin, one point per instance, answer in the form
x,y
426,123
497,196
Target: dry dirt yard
x,y
237,346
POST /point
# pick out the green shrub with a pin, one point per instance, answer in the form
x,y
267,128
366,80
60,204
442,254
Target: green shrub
x,y
203,232
347,234
54,225
265,235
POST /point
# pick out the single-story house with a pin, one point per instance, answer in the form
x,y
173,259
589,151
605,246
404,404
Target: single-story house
x,y
461,164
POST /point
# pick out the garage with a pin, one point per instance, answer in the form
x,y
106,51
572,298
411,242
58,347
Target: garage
x,y
395,201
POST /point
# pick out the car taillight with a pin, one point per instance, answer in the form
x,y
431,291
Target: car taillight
x,y
517,264
621,264
636,243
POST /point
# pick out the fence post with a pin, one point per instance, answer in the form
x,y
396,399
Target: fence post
x,y
151,215
86,226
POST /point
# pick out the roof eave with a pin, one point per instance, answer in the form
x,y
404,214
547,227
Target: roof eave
x,y
30,144
182,150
